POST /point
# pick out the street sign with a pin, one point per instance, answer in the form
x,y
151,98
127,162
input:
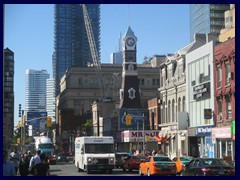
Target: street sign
x,y
137,118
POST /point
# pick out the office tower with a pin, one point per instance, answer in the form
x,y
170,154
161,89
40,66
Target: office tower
x,y
36,90
8,97
117,57
50,101
71,46
207,18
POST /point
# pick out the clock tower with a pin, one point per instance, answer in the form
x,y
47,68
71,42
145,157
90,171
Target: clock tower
x,y
129,92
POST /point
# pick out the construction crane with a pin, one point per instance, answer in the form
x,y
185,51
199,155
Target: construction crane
x,y
95,57
93,48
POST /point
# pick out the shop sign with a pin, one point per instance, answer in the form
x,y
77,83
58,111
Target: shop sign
x,y
233,129
134,135
201,91
200,131
224,132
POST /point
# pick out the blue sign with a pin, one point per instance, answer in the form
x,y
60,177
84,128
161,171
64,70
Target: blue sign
x,y
137,118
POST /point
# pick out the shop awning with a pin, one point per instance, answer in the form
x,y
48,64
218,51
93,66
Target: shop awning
x,y
159,139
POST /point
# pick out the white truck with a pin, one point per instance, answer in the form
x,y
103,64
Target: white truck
x,y
94,153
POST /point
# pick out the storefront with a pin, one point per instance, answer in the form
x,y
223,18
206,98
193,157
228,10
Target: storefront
x,y
139,140
223,142
200,141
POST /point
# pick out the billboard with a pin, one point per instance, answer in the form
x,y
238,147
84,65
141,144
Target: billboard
x,y
37,120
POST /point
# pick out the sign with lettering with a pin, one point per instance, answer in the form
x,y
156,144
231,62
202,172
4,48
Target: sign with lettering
x,y
201,91
200,131
138,136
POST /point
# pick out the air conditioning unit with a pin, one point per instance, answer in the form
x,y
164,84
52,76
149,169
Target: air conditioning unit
x,y
219,117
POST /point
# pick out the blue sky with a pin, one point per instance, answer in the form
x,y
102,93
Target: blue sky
x,y
28,32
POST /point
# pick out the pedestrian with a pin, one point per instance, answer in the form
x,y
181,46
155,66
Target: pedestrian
x,y
153,152
42,168
23,165
15,158
34,161
29,156
8,167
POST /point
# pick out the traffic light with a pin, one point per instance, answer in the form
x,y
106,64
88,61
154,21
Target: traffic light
x,y
23,120
147,137
37,130
48,121
19,125
18,140
128,119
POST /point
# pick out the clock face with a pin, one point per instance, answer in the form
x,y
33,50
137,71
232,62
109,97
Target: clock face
x,y
130,41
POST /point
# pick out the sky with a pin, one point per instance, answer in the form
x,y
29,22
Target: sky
x,y
28,31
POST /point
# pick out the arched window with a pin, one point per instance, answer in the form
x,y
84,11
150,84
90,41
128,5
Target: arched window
x,y
169,112
173,111
179,104
183,103
163,113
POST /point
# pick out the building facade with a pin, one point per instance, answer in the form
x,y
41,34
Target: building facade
x,y
8,97
200,96
51,99
36,90
207,18
71,46
223,135
116,58
173,96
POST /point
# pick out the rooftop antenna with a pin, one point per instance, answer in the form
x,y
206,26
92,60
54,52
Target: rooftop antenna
x,y
119,43
128,16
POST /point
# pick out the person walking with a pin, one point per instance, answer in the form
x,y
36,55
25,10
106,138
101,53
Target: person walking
x,y
34,161
23,166
15,158
42,168
8,167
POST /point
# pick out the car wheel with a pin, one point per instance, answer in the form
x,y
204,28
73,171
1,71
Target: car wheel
x,y
140,172
78,168
148,172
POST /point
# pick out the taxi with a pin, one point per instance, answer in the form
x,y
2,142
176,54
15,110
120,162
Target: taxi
x,y
157,165
181,161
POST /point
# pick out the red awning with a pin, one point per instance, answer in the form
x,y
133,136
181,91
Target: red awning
x,y
159,139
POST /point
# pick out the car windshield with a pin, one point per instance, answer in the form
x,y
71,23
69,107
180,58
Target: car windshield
x,y
214,162
159,158
185,158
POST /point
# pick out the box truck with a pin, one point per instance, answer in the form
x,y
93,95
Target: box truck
x,y
94,153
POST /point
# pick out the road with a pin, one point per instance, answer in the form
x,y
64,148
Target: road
x,y
69,169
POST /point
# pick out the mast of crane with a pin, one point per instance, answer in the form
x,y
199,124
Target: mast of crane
x,y
93,48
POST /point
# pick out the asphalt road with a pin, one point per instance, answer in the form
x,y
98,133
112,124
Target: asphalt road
x,y
69,169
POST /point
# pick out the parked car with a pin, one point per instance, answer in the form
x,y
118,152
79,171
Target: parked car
x,y
157,165
120,157
181,162
62,158
132,162
70,158
208,167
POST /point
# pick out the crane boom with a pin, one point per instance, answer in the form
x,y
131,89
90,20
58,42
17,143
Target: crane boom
x,y
93,48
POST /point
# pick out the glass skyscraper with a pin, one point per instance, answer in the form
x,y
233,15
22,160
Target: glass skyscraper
x,y
71,47
207,18
8,97
36,90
